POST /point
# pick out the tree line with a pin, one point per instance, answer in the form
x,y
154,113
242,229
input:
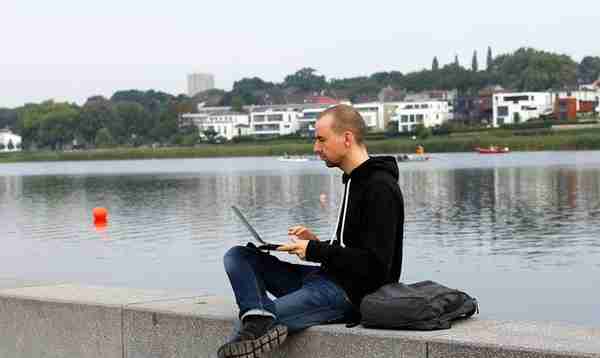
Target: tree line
x,y
136,117
128,118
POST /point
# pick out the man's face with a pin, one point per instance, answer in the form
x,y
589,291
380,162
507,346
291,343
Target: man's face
x,y
329,146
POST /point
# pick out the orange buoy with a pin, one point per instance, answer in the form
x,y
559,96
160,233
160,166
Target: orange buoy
x,y
100,215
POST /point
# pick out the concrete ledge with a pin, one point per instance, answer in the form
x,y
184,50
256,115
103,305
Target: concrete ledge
x,y
72,321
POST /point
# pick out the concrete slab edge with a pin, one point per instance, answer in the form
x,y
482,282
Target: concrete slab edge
x,y
452,343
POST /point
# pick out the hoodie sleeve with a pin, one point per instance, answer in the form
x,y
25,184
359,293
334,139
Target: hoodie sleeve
x,y
379,233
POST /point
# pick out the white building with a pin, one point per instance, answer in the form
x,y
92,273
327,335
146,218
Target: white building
x,y
509,108
9,142
308,117
275,120
428,113
226,123
373,114
199,82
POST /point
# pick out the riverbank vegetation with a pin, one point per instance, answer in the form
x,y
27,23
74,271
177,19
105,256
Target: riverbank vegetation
x,y
575,139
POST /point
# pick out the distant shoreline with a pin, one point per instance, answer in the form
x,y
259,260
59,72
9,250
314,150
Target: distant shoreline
x,y
573,140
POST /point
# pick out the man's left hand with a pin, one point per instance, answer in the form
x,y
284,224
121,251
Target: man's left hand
x,y
296,247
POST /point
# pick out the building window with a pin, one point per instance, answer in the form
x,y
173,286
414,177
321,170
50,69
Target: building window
x,y
516,99
405,128
259,118
275,118
404,118
419,118
412,118
503,111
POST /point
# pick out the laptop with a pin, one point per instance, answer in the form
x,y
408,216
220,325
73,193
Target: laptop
x,y
263,244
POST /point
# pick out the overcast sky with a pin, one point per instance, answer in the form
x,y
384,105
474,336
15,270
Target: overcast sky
x,y
70,50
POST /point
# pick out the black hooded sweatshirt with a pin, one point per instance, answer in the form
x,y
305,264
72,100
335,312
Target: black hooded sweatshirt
x,y
366,252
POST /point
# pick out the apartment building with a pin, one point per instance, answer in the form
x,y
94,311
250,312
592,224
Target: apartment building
x,y
430,114
373,114
510,108
273,121
223,120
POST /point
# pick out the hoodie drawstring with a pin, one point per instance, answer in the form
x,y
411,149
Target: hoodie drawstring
x,y
342,211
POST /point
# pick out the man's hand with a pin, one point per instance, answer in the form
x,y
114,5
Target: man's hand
x,y
296,247
302,233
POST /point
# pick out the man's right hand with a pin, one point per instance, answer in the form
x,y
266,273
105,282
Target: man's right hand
x,y
302,233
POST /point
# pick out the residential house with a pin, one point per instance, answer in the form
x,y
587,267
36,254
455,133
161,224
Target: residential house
x,y
9,142
273,121
224,121
373,114
510,108
568,104
427,113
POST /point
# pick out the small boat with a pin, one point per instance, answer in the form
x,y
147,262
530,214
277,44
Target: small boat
x,y
412,157
293,158
492,150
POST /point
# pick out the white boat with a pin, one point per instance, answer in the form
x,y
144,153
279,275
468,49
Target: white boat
x,y
412,157
293,158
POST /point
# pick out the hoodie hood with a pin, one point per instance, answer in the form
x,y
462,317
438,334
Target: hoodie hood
x,y
379,163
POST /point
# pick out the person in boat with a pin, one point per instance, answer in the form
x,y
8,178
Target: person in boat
x,y
364,253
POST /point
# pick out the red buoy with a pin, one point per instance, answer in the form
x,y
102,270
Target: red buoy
x,y
100,215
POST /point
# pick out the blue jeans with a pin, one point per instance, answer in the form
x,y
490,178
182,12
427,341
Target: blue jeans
x,y
304,295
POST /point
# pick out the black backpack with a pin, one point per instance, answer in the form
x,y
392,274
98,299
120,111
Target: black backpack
x,y
425,305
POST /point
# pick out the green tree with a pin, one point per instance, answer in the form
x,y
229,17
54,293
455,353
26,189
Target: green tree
x,y
306,79
99,113
153,101
490,59
137,122
210,134
474,63
10,145
8,118
47,124
456,63
588,70
384,79
422,132
528,69
435,65
251,84
167,126
103,138
237,104
58,127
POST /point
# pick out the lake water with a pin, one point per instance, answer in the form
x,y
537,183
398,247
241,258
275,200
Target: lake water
x,y
518,231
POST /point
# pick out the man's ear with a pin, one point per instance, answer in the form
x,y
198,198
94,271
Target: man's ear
x,y
348,138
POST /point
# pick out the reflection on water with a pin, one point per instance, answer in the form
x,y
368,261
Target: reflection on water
x,y
484,225
544,217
